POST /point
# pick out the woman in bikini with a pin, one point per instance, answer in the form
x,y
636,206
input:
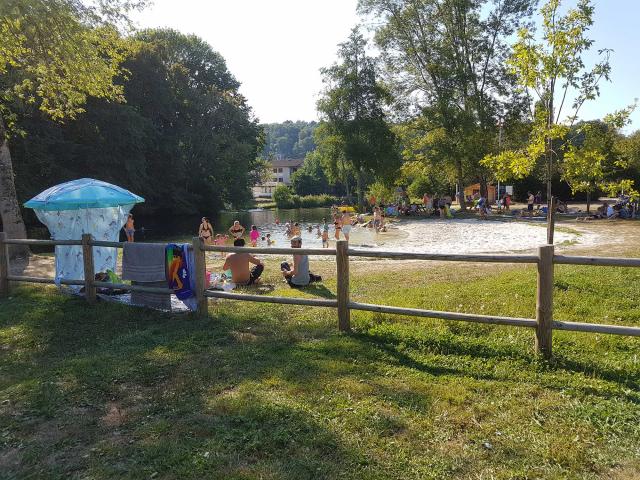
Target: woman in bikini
x,y
205,232
237,230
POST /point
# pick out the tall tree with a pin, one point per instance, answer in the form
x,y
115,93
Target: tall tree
x,y
351,108
446,60
549,72
55,54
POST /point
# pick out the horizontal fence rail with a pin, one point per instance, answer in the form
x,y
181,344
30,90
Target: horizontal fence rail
x,y
545,260
444,257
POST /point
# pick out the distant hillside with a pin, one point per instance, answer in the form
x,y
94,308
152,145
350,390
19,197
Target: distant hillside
x,y
289,139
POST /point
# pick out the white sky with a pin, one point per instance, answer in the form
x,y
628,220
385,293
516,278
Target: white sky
x,y
276,48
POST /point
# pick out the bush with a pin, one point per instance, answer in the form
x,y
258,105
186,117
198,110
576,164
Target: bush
x,y
285,198
282,195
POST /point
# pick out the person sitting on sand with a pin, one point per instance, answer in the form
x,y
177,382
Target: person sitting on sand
x,y
237,230
238,263
299,275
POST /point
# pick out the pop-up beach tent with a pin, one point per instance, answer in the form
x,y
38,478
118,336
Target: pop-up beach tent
x,y
83,206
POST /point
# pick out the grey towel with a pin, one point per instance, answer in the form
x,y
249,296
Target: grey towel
x,y
143,262
161,301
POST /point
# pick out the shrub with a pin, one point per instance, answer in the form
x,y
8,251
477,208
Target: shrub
x,y
285,198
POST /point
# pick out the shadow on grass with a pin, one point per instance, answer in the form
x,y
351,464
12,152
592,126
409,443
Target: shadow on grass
x,y
150,392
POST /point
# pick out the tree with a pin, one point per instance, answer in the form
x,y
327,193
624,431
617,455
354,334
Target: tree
x,y
547,72
352,112
310,179
54,54
184,140
446,60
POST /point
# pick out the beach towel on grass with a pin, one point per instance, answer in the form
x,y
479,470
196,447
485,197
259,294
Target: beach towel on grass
x,y
143,262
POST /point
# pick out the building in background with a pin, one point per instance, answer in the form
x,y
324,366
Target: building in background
x,y
280,174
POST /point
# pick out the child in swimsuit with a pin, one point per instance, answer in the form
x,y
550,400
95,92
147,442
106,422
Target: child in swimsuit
x,y
129,229
325,233
269,241
254,235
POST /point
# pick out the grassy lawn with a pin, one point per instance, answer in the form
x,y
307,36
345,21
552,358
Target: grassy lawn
x,y
268,391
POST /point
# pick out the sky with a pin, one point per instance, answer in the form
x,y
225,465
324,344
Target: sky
x,y
276,48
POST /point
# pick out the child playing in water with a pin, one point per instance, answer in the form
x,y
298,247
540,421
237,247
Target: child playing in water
x,y
269,241
254,235
295,231
325,233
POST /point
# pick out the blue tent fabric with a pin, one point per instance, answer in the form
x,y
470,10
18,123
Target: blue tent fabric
x,y
83,206
82,193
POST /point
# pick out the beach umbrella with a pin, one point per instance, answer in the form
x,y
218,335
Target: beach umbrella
x,y
81,194
83,206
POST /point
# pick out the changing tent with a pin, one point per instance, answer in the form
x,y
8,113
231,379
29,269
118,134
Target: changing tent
x,y
83,206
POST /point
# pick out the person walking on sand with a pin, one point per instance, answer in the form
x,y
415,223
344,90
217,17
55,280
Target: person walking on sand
x,y
129,228
205,232
254,235
346,224
237,230
530,201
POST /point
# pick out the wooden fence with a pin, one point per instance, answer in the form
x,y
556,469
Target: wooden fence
x,y
543,323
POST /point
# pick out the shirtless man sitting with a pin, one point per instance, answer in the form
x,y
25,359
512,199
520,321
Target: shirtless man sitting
x,y
238,263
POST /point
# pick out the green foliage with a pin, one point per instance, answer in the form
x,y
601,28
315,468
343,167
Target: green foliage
x,y
310,179
355,127
55,54
548,70
184,140
283,196
446,61
288,139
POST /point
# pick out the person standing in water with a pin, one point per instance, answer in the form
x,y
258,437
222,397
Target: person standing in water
x,y
129,228
325,233
237,230
254,234
205,232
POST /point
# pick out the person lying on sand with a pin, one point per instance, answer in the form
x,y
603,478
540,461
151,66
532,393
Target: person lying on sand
x,y
238,263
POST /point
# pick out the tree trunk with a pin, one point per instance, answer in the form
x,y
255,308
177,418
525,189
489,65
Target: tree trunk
x,y
549,154
461,200
588,202
484,190
12,222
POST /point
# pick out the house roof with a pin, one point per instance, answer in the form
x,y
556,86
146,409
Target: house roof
x,y
288,162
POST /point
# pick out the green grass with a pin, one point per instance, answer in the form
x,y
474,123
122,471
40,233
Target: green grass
x,y
271,391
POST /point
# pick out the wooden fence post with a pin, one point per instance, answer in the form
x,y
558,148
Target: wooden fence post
x,y
544,301
89,270
200,264
4,266
342,266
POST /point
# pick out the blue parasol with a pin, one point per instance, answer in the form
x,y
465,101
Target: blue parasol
x,y
82,193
